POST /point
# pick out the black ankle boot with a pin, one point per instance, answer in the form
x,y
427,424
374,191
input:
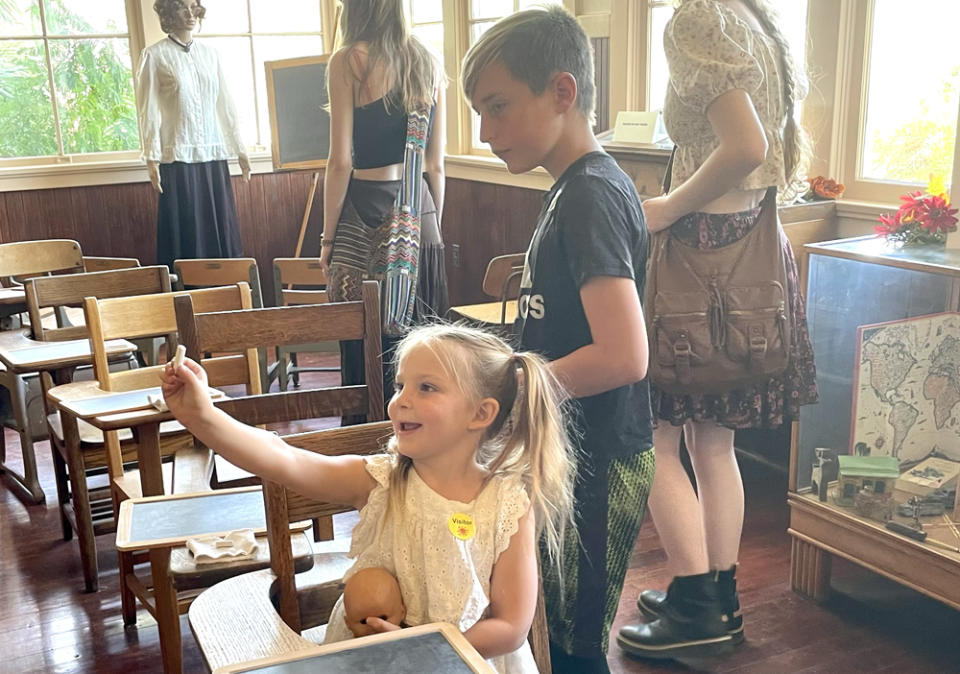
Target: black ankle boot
x,y
650,602
693,623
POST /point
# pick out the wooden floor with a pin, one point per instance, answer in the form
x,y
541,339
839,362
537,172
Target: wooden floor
x,y
869,625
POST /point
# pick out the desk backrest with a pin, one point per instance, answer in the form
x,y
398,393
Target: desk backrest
x,y
234,331
291,274
284,506
215,271
32,258
500,271
70,290
98,263
147,316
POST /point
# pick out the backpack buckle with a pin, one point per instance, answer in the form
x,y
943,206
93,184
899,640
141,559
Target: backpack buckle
x,y
681,357
758,347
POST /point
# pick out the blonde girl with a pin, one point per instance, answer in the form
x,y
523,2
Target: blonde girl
x,y
478,469
378,75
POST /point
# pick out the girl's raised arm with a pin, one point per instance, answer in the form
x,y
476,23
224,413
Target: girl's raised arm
x,y
338,479
513,596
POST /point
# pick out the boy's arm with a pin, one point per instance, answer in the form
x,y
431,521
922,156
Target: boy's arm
x,y
619,352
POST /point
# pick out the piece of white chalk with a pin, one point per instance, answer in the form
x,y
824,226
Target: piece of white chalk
x,y
179,356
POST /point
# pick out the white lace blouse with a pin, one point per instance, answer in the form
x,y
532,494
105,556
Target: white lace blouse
x,y
442,577
186,113
710,51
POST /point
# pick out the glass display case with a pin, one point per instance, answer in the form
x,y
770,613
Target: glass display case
x,y
874,466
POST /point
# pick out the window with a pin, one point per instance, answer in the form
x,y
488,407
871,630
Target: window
x,y
249,32
793,19
912,94
426,19
66,86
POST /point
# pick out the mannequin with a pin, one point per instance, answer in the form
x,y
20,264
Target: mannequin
x,y
190,129
372,592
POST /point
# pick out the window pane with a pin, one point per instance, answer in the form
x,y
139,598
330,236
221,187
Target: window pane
x,y
94,95
273,49
20,17
431,35
237,64
79,17
426,11
659,74
913,93
485,9
270,16
527,4
225,16
26,114
478,29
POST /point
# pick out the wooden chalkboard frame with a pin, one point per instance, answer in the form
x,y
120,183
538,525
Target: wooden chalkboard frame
x,y
454,638
271,68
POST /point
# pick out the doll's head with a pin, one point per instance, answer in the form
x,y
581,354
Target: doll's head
x,y
176,14
372,592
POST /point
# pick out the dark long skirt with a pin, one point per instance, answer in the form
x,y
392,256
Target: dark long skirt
x,y
373,201
765,405
196,214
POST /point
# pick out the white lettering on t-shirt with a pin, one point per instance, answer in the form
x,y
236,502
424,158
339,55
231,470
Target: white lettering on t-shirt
x,y
532,306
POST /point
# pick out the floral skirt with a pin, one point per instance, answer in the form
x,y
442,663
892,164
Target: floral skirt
x,y
778,399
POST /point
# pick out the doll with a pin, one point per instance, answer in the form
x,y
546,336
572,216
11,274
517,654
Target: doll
x,y
190,129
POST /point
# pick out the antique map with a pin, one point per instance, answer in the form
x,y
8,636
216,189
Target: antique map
x,y
907,393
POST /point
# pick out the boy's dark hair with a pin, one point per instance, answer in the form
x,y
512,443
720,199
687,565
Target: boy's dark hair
x,y
534,45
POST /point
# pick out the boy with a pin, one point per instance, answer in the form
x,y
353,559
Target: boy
x,y
530,78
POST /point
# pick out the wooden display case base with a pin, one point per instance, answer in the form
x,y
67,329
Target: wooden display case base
x,y
821,530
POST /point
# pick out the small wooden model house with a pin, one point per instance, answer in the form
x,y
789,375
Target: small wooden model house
x,y
873,474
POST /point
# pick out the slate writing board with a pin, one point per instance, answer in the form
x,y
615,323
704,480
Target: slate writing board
x,y
429,652
198,515
299,122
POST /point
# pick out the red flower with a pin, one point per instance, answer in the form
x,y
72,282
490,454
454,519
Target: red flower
x,y
889,224
939,217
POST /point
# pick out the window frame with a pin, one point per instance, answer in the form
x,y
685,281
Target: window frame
x,y
63,159
838,52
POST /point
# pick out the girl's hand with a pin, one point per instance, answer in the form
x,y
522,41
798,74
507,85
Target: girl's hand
x,y
325,253
657,213
185,389
381,625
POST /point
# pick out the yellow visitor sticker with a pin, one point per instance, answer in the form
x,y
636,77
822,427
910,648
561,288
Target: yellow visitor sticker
x,y
461,526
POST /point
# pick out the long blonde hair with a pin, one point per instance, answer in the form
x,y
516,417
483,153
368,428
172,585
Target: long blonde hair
x,y
797,149
416,74
527,438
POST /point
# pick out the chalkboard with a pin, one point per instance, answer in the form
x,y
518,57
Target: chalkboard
x,y
418,654
299,121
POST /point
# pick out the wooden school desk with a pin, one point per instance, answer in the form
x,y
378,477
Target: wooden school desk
x,y
436,647
22,355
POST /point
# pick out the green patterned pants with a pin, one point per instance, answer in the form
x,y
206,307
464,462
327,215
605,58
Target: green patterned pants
x,y
610,503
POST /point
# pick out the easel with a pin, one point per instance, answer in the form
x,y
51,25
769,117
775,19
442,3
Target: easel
x,y
306,213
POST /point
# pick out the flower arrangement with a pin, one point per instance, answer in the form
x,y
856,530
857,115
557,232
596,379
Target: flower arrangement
x,y
825,188
923,217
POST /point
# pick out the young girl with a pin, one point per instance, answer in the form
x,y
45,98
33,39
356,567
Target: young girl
x,y
730,110
379,77
478,467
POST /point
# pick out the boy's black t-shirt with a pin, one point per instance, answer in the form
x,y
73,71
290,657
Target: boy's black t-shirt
x,y
591,224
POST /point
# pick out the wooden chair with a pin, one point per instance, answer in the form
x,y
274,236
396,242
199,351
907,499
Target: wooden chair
x,y
209,272
501,282
280,605
126,318
70,290
18,261
279,327
296,281
242,332
96,263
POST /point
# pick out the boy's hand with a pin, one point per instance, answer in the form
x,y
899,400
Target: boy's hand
x,y
381,625
185,389
657,213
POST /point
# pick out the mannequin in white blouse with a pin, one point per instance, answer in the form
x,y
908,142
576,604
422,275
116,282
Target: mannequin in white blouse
x,y
190,129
